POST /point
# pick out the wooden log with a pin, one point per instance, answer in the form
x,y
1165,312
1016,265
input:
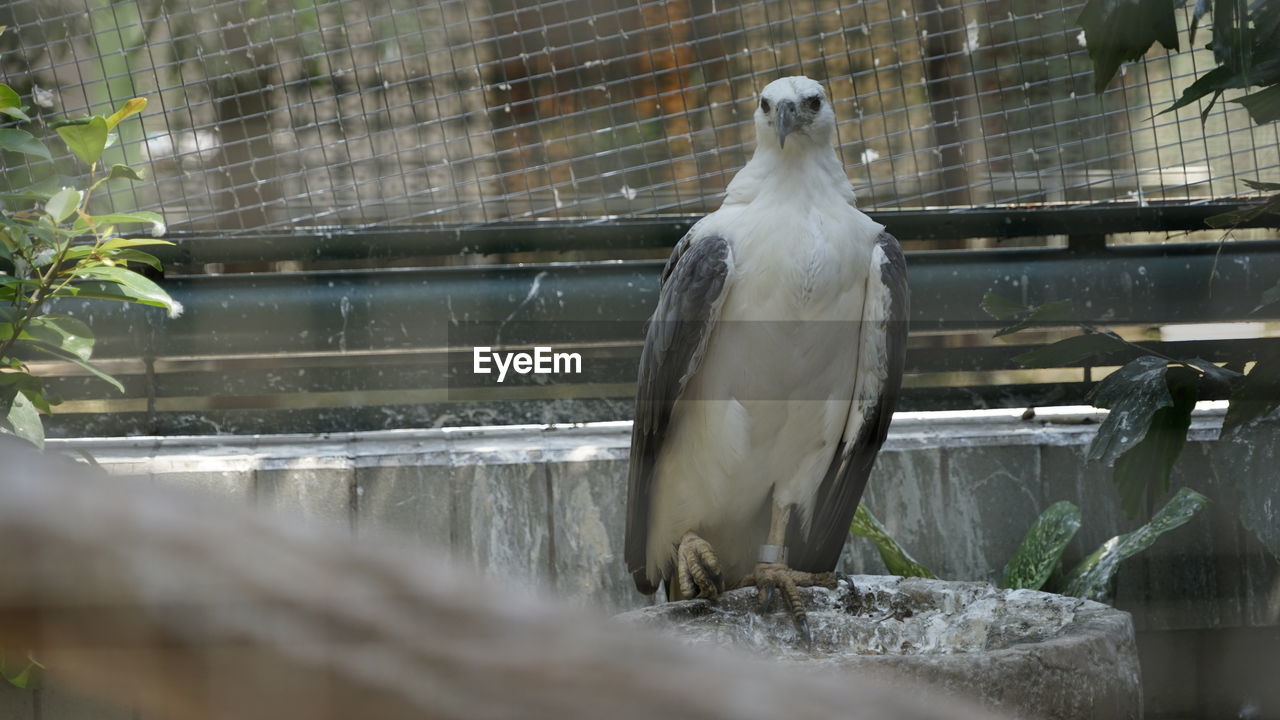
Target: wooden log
x,y
195,609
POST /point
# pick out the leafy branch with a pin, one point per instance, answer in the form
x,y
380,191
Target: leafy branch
x,y
1245,43
1246,49
53,246
1150,397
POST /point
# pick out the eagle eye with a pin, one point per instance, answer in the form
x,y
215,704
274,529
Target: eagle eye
x,y
764,105
814,103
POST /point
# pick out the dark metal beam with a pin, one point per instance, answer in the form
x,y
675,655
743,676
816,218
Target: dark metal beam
x,y
389,309
663,232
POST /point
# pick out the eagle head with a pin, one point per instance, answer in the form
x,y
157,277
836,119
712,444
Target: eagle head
x,y
794,107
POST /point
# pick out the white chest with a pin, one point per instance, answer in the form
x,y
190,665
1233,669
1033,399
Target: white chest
x,y
807,265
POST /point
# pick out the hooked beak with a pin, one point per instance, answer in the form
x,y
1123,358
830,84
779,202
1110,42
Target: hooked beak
x,y
785,121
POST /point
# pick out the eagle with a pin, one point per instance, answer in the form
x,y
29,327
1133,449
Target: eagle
x,y
769,374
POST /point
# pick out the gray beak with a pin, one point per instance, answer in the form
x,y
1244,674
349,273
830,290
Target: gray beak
x,y
785,121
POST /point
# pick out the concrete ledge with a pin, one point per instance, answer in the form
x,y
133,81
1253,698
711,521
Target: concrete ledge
x,y
546,503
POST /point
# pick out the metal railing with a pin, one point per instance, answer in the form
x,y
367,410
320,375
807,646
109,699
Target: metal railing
x,y
371,348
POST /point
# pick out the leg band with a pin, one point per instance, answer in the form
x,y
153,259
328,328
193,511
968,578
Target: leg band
x,y
772,555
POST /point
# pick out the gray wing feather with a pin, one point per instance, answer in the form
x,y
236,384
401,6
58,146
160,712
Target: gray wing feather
x,y
692,286
818,550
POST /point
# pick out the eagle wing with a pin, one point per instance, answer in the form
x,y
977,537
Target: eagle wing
x,y
883,347
692,292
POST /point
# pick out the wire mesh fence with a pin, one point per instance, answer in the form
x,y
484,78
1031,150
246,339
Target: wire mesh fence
x,y
291,116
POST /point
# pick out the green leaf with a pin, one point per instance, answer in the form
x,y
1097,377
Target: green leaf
x,y
86,140
1258,184
15,113
115,243
11,104
898,561
1050,313
1257,397
1118,31
20,382
1232,218
124,171
1202,7
136,256
133,107
22,679
1214,81
1091,579
1134,393
131,283
63,203
1072,350
1148,465
59,353
28,385
1263,106
1000,307
23,420
63,331
1227,42
138,216
1041,548
27,678
1222,376
21,141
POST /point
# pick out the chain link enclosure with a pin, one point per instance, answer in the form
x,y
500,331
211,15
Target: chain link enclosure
x,y
311,114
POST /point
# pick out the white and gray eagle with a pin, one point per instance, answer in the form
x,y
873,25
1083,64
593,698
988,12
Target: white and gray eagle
x,y
770,371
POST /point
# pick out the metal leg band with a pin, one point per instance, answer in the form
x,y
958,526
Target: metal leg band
x,y
772,555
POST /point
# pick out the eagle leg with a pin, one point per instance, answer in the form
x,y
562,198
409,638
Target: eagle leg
x,y
773,577
697,568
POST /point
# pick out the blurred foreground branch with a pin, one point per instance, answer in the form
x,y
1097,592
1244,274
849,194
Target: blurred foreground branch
x,y
193,609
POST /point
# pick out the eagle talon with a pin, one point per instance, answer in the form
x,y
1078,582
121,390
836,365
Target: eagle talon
x,y
698,569
843,576
768,593
774,577
802,629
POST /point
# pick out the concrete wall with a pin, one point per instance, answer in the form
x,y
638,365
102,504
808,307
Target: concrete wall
x,y
546,506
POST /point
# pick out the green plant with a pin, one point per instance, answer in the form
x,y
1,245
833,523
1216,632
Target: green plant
x,y
1245,40
1151,397
1092,578
898,560
53,246
1039,554
25,673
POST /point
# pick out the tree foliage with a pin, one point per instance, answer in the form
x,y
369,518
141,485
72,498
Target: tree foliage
x,y
1150,398
53,246
1244,38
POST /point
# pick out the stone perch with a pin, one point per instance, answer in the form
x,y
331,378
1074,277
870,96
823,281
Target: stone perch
x,y
1034,654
